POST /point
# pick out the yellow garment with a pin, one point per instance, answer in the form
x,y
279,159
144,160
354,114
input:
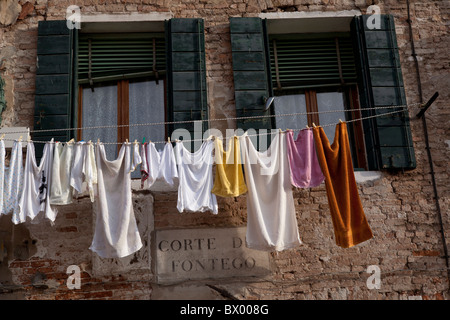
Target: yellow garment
x,y
349,221
229,180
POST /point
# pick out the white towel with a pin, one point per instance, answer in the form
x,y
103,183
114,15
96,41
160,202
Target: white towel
x,y
84,170
61,192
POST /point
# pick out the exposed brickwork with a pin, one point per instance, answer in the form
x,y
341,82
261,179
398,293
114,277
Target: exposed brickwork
x,y
400,207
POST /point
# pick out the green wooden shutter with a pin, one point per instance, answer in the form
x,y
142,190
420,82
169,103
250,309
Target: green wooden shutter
x,y
388,138
53,82
187,98
250,70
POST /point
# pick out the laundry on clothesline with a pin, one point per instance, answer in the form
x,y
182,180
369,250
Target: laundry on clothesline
x,y
67,170
349,221
158,165
271,217
195,178
229,180
116,234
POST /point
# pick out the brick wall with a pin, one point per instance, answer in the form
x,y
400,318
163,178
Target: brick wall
x,y
400,207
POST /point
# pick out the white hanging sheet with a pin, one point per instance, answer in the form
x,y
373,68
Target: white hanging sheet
x,y
271,219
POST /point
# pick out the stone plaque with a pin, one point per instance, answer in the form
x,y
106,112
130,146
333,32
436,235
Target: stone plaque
x,y
206,253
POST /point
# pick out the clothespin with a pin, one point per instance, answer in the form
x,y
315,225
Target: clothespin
x,y
71,141
143,140
135,141
20,138
126,140
90,141
307,127
340,121
314,125
3,135
168,140
98,140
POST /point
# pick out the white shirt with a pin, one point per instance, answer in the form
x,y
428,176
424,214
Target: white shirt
x,y
195,178
158,165
116,234
271,219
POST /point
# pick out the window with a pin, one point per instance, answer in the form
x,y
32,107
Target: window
x,y
121,81
351,71
108,79
316,73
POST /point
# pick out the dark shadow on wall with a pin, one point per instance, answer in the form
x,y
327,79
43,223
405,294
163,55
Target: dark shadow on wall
x,y
16,244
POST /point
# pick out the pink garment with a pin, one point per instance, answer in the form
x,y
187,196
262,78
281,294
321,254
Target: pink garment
x,y
303,163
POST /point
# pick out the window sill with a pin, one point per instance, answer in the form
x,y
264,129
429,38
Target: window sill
x,y
367,176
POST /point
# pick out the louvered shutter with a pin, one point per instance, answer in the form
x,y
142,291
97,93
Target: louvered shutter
x,y
187,98
103,57
250,71
388,138
304,60
53,82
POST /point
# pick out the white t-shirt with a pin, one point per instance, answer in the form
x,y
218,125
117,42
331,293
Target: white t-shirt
x,y
195,178
271,219
116,234
158,165
36,186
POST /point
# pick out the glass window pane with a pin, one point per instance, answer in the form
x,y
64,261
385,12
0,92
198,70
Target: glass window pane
x,y
290,104
147,106
327,101
100,109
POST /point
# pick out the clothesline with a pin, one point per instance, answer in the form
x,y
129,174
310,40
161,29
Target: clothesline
x,y
195,140
219,119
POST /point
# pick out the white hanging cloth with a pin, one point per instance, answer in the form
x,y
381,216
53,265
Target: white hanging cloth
x,y
271,219
36,186
195,178
158,165
2,174
13,179
84,170
116,234
60,191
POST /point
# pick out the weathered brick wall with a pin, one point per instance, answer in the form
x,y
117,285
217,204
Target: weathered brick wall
x,y
400,207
